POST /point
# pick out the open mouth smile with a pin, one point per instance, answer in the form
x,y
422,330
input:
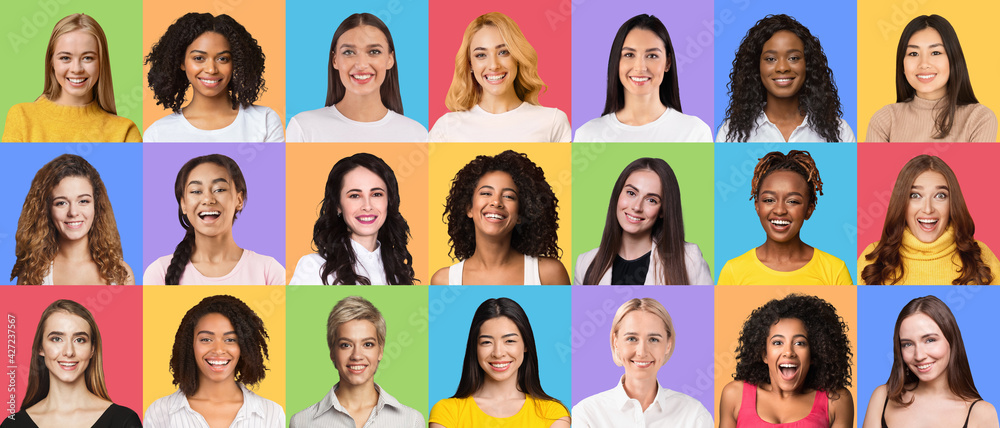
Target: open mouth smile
x,y
209,83
209,216
783,81
362,78
366,219
218,365
780,225
500,366
788,370
926,78
495,79
927,224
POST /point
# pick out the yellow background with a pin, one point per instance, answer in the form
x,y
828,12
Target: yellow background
x,y
881,23
164,306
733,305
448,158
264,20
308,166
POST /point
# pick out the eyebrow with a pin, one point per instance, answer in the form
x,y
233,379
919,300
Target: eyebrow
x,y
935,45
365,339
637,334
71,53
777,51
59,333
942,186
206,53
772,192
78,196
217,180
348,45
502,45
359,190
626,48
783,336
647,194
486,336
212,332
487,186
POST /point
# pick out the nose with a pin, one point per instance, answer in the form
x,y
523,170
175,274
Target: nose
x,y
789,350
782,65
918,352
494,62
928,205
366,204
637,206
496,201
640,349
72,210
211,67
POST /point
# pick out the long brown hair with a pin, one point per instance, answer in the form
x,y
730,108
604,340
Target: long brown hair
x,y
959,374
38,376
886,264
104,90
37,240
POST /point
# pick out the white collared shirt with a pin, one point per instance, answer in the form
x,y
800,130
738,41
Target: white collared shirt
x,y
614,408
329,413
174,411
369,265
766,132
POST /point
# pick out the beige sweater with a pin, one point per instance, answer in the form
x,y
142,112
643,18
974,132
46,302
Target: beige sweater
x,y
914,121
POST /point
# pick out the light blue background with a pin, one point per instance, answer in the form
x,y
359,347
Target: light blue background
x,y
310,27
834,26
450,310
833,225
878,308
120,166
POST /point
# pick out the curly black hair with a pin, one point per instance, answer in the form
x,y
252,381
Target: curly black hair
x,y
169,82
534,236
829,347
818,97
250,335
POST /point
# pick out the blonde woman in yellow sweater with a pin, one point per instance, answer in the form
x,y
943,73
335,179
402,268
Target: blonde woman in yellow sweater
x,y
78,101
927,236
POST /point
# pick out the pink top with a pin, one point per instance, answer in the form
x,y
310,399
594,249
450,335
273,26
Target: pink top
x,y
252,269
818,417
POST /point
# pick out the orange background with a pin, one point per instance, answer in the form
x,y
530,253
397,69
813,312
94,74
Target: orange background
x,y
733,305
309,164
265,20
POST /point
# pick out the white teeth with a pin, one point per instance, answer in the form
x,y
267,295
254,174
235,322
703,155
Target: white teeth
x,y
74,223
631,218
77,80
925,76
210,82
366,218
362,76
790,366
218,363
783,79
356,368
68,364
923,366
781,222
495,216
208,213
643,364
639,79
500,365
927,220
495,77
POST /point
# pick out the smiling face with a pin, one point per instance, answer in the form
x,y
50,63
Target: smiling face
x,y
639,204
927,214
643,63
216,349
363,203
494,204
926,64
642,344
362,58
500,349
66,347
210,199
493,66
208,64
72,208
76,65
783,205
783,65
787,354
357,353
924,348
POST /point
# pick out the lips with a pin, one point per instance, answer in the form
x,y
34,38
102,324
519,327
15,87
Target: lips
x,y
209,83
633,219
74,224
68,365
495,217
780,224
209,216
788,370
642,364
495,78
362,78
640,80
357,368
77,82
500,366
217,365
924,368
783,81
366,219
927,224
926,78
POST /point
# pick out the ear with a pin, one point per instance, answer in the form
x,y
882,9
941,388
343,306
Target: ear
x,y
239,202
333,60
184,207
667,69
392,60
670,347
381,350
809,211
468,211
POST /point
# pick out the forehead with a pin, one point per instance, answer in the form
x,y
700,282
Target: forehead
x,y
488,36
208,172
356,328
214,322
76,41
644,38
363,35
783,40
497,179
926,37
66,322
498,326
788,327
642,322
917,325
784,180
362,178
928,179
645,180
73,186
210,42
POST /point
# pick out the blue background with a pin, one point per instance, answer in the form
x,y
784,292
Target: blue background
x,y
878,308
833,225
120,166
309,29
834,26
450,310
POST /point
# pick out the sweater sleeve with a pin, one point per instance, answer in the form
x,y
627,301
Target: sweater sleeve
x,y
879,125
13,130
132,135
982,125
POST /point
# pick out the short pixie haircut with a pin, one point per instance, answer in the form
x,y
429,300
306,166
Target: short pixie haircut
x,y
644,304
251,336
354,308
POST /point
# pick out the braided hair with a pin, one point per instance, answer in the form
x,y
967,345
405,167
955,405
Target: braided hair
x,y
797,161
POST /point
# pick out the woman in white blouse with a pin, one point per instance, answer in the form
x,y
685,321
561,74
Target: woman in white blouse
x,y
642,340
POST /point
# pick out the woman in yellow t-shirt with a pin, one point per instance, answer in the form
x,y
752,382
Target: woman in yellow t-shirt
x,y
927,237
784,190
500,386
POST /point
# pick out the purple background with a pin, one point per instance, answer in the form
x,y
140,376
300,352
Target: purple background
x,y
261,225
689,369
595,24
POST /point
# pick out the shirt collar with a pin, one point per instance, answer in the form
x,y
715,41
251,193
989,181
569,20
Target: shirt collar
x,y
621,399
252,403
361,251
330,401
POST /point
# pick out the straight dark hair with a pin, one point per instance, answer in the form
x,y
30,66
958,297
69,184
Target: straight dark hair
x,y
959,374
669,92
335,89
959,85
667,232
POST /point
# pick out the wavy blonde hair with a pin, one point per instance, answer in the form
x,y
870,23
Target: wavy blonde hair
x,y
104,91
37,240
465,92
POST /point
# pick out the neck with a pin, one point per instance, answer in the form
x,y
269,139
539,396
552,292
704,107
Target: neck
x,y
781,393
217,391
492,252
641,109
214,249
202,104
362,108
938,386
634,246
369,242
505,389
643,390
75,250
782,109
69,396
357,395
792,249
65,100
502,103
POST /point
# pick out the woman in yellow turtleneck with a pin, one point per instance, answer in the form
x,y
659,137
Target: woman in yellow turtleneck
x,y
78,102
927,236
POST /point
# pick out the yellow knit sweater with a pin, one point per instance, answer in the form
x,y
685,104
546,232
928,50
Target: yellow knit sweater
x,y
934,263
46,121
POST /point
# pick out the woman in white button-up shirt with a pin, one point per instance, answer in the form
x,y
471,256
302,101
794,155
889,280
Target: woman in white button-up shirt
x,y
642,340
359,218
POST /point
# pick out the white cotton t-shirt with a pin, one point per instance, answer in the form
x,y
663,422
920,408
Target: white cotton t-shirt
x,y
765,131
254,124
671,127
527,123
329,125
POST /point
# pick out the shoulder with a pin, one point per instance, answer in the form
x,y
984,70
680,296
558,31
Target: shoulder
x,y
550,409
446,411
122,416
983,414
879,394
130,278
406,123
980,112
274,272
841,403
591,131
986,253
828,259
157,270
159,411
552,272
584,260
732,396
160,124
307,270
441,276
257,111
845,132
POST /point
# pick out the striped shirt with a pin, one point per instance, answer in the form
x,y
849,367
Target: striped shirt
x,y
173,411
328,413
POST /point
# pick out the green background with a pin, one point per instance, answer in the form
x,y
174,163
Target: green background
x,y
403,370
26,29
596,167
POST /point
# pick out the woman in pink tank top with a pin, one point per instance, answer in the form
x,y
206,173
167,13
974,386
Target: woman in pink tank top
x,y
793,367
